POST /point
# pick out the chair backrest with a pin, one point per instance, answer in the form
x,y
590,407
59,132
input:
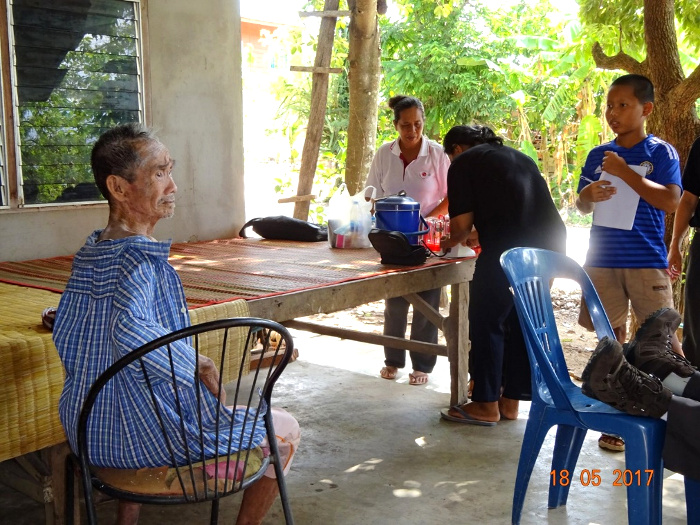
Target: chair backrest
x,y
209,450
530,272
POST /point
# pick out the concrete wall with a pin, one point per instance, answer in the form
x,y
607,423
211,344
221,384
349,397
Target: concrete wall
x,y
194,95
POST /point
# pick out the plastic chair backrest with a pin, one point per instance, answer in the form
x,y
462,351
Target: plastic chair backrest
x,y
530,272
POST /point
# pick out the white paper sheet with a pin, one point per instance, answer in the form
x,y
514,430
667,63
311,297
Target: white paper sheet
x,y
620,210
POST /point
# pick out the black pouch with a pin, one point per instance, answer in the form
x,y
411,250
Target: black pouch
x,y
286,229
394,248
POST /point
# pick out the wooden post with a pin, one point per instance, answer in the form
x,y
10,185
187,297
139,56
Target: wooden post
x,y
319,98
458,344
363,84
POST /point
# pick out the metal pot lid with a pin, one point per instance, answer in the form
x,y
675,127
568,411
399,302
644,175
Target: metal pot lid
x,y
396,202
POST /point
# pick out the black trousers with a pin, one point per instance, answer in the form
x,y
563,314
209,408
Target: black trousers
x,y
395,322
691,314
498,357
682,444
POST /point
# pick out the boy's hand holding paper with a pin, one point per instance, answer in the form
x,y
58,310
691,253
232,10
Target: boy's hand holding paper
x,y
620,210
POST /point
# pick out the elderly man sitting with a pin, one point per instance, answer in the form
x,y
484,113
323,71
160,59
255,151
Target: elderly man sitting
x,y
123,293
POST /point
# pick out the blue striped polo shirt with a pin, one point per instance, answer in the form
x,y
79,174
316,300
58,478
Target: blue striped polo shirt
x,y
643,245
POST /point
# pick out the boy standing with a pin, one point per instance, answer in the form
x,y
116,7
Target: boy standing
x,y
628,265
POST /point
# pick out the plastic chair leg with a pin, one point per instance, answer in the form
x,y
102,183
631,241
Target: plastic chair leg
x,y
642,452
567,448
535,432
692,499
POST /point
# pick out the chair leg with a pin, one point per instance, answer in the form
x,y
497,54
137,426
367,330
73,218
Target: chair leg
x,y
70,492
567,448
643,501
284,498
279,471
89,497
214,512
692,500
535,432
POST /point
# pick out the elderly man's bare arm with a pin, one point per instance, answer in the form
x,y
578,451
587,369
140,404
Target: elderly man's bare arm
x,y
209,375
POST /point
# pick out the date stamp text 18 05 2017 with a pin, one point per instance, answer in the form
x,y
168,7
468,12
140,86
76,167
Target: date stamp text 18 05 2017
x,y
593,477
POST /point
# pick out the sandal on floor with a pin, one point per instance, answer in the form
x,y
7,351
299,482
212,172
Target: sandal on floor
x,y
389,372
610,442
464,417
417,378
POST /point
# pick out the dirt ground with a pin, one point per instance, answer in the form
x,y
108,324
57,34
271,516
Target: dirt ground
x,y
577,342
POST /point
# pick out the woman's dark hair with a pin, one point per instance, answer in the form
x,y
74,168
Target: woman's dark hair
x,y
641,86
469,136
401,102
117,152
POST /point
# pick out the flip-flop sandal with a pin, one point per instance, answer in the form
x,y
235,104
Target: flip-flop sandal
x,y
609,442
417,380
466,418
388,372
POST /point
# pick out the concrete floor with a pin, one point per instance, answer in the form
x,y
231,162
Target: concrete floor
x,y
375,452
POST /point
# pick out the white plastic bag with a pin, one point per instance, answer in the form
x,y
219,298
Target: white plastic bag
x,y
350,218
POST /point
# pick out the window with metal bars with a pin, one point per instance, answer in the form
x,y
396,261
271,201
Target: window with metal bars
x,y
77,72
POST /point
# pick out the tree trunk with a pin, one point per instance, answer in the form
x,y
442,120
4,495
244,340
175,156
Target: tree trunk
x,y
674,118
363,80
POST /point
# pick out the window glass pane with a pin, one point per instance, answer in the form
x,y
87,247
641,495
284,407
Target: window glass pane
x,y
77,74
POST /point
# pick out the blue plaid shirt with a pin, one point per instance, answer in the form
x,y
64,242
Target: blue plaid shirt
x,y
122,294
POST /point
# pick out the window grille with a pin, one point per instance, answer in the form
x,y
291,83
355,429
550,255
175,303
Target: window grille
x,y
77,72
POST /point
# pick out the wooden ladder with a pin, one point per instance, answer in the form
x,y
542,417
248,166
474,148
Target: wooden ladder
x,y
319,98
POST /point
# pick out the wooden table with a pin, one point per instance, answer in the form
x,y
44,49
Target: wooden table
x,y
268,274
286,308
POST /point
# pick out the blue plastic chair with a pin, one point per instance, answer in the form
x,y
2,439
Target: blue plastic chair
x,y
556,400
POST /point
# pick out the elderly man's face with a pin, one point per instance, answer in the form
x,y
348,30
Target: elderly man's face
x,y
152,193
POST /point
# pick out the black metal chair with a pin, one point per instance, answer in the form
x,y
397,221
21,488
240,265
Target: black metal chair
x,y
249,385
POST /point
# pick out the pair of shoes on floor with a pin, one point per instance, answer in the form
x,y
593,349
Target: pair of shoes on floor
x,y
609,378
415,378
650,349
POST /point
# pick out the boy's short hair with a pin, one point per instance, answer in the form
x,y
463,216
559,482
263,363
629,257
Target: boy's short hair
x,y
642,87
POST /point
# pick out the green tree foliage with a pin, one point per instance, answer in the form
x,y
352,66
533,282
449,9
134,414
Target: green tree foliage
x,y
527,72
523,72
77,75
619,25
658,39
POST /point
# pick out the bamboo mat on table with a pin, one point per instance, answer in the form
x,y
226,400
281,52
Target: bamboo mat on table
x,y
31,373
226,269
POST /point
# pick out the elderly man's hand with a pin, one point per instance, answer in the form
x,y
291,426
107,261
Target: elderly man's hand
x,y
209,375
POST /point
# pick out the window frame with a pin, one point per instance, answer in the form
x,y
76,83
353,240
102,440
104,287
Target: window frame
x,y
10,154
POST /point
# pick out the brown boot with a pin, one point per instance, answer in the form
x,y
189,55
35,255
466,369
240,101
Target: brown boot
x,y
609,378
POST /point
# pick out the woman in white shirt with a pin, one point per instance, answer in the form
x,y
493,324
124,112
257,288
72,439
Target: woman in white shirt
x,y
418,166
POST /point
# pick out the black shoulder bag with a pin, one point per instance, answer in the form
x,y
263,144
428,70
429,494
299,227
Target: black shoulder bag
x,y
394,248
286,229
